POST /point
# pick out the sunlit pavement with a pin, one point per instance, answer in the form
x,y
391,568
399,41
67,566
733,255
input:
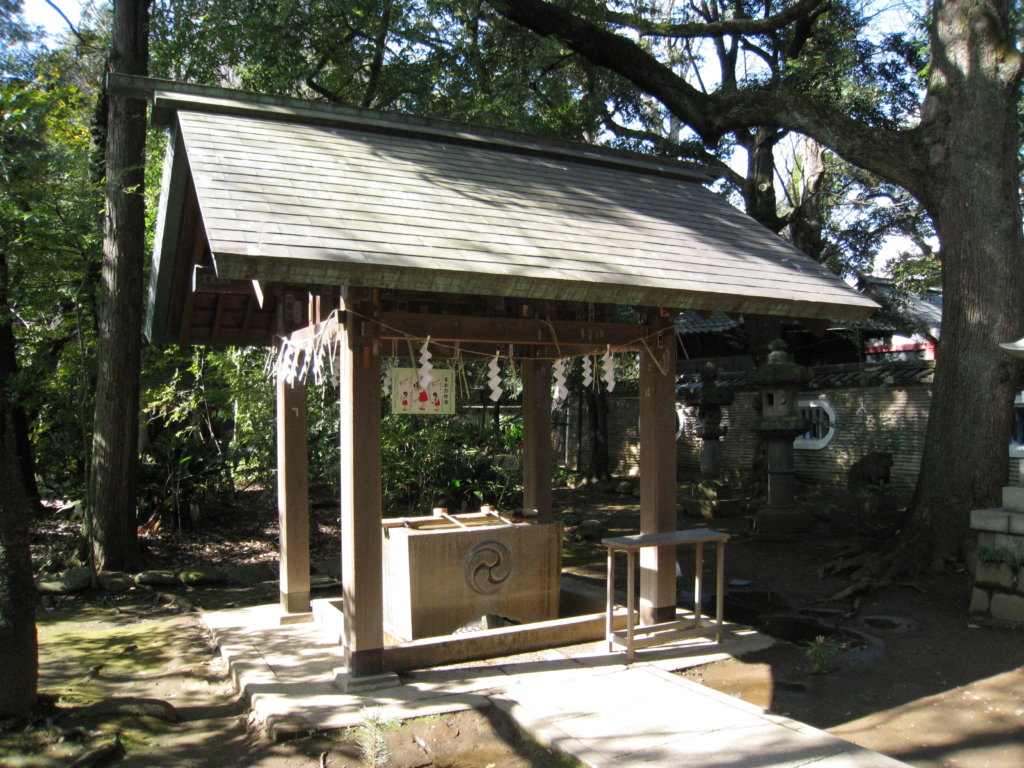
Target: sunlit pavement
x,y
580,700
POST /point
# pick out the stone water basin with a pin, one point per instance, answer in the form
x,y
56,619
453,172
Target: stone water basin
x,y
443,572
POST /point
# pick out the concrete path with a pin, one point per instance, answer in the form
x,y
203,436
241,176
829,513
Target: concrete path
x,y
580,700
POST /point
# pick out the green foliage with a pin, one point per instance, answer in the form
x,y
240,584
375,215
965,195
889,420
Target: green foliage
x,y
455,59
876,432
919,272
873,431
208,419
209,427
324,440
449,461
821,653
841,56
371,738
183,445
50,215
876,77
1002,555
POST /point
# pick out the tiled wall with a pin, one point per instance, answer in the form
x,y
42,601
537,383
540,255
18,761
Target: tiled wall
x,y
868,418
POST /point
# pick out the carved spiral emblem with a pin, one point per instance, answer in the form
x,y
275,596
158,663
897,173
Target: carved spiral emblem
x,y
488,566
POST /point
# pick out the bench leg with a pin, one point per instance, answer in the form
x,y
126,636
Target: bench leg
x,y
610,607
719,588
698,559
630,603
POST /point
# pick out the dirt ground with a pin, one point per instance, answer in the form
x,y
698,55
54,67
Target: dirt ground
x,y
902,670
104,649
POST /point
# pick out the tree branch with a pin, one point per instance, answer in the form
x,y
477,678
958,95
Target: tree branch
x,y
380,47
721,28
897,156
63,16
74,31
668,147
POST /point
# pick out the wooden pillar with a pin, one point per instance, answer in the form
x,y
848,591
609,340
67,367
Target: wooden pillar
x,y
361,512
537,437
658,473
293,496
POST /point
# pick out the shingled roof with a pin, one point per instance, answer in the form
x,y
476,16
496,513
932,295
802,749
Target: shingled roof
x,y
846,375
297,192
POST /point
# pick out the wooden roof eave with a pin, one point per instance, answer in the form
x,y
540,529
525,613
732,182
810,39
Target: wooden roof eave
x,y
350,272
181,218
180,244
166,241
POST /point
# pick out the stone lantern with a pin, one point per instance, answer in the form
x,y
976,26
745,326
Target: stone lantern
x,y
709,400
779,423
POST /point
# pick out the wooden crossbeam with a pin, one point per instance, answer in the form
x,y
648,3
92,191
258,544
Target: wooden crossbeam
x,y
509,330
331,326
534,337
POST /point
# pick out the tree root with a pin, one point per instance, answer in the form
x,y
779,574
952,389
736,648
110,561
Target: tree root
x,y
128,705
843,563
109,753
868,571
858,587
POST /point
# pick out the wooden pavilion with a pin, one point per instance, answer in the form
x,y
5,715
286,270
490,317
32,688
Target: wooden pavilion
x,y
276,212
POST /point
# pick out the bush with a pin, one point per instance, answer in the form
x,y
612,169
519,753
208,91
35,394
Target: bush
x,y
445,461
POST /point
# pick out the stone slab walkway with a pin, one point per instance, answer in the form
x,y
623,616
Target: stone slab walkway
x,y
580,700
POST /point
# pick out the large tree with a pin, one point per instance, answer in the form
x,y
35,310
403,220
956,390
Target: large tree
x,y
456,59
19,672
959,159
112,481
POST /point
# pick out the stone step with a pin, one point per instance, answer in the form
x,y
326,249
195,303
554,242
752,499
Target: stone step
x,y
1013,498
328,615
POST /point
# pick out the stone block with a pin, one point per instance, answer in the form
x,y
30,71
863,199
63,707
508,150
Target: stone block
x,y
1013,498
289,619
201,576
986,540
158,578
996,574
438,577
330,567
1010,545
1017,523
1007,607
250,573
979,600
346,683
997,520
115,581
66,582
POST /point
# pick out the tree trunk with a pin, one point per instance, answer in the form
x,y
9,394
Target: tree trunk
x,y
975,207
112,481
806,222
597,431
19,671
759,196
8,386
